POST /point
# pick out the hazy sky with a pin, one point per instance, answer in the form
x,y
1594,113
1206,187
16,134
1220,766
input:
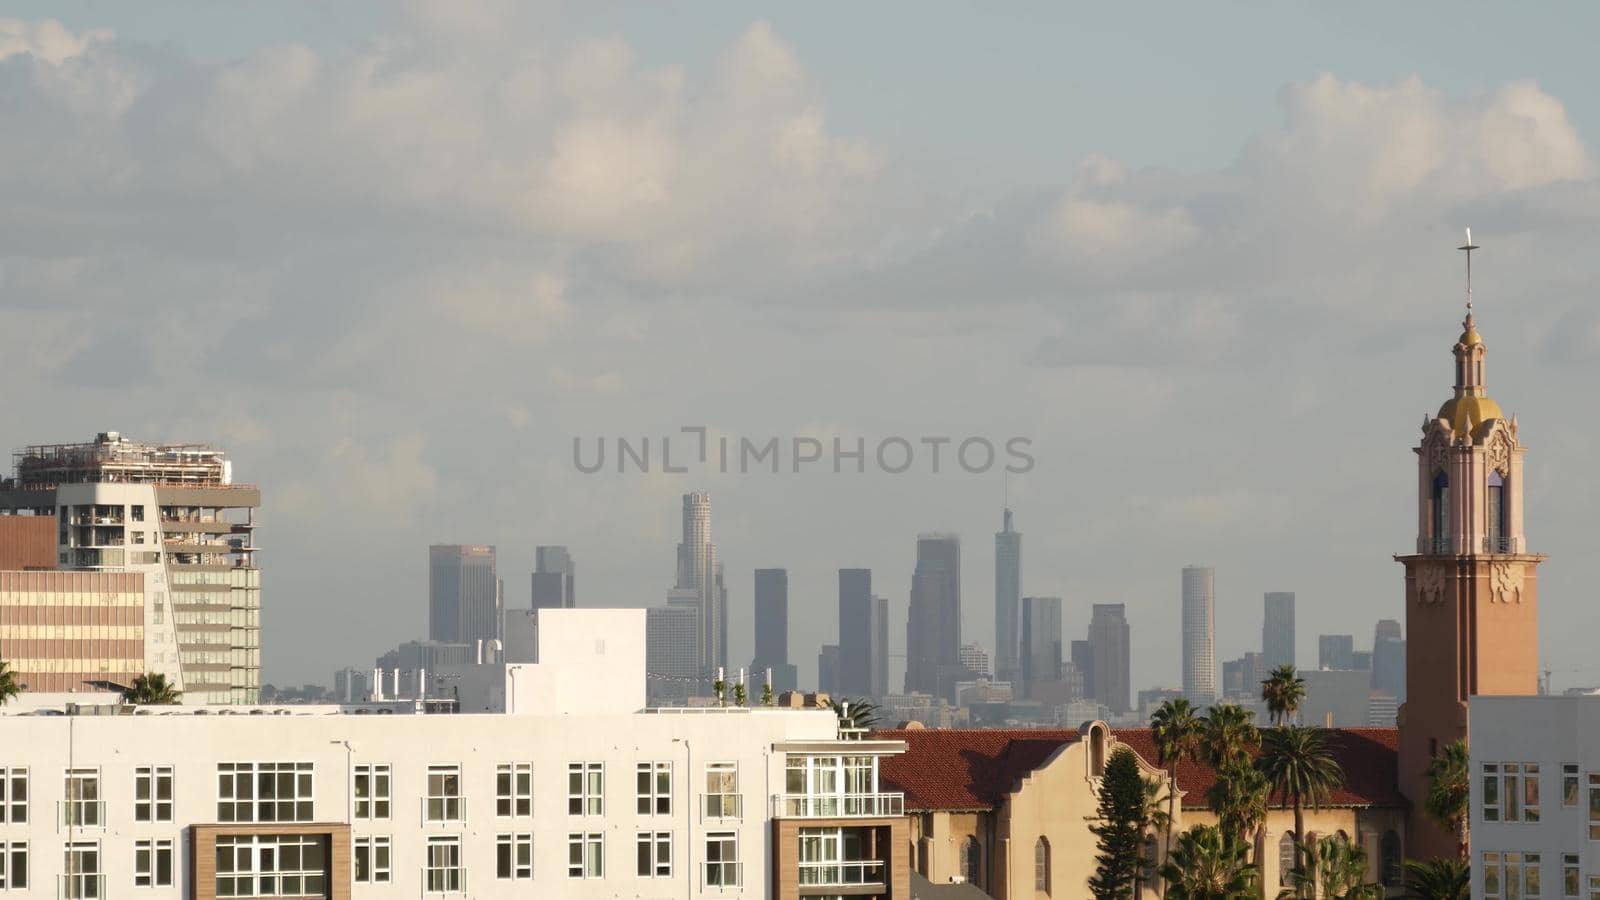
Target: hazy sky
x,y
395,259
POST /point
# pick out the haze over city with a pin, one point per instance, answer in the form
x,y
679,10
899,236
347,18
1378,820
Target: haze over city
x,y
376,254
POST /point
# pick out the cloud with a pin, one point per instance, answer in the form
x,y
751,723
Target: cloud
x,y
48,40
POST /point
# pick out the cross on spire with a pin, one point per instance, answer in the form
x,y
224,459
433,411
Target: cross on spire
x,y
1469,246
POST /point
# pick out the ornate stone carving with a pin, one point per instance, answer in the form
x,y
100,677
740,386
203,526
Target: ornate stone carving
x,y
1505,582
1499,455
1433,450
1430,584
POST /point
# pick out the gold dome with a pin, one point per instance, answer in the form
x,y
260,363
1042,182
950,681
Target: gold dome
x,y
1466,414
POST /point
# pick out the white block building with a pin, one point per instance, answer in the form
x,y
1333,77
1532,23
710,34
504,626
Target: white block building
x,y
577,792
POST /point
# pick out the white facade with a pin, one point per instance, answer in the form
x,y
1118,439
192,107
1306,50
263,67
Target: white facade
x,y
1535,797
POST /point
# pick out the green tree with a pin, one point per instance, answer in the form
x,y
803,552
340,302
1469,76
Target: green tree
x,y
1438,879
739,695
1338,871
1177,733
9,687
1209,864
1231,735
859,713
766,694
1301,769
1450,791
151,689
1284,691
1122,809
1239,796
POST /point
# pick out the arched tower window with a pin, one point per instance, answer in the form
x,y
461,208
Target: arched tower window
x,y
1439,507
1097,751
1285,859
1041,865
1389,859
1496,513
971,861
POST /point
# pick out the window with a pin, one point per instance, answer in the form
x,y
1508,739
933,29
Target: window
x,y
152,863
1571,881
442,872
1041,865
271,865
514,856
138,512
444,803
264,792
1511,792
655,854
1285,858
654,787
1495,513
82,878
371,855
585,855
152,794
13,865
1440,509
586,784
1594,806
1594,887
722,859
722,791
1530,792
1390,870
971,861
1569,785
372,792
513,790
1511,876
84,808
13,796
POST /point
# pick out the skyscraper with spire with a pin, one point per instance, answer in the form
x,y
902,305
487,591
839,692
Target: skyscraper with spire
x,y
1007,594
700,572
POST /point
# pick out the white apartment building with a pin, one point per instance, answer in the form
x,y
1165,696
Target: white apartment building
x,y
1535,798
576,792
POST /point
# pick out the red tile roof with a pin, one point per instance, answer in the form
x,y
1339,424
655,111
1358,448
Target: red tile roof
x,y
966,769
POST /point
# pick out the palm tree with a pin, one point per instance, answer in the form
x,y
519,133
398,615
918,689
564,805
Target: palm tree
x,y
1300,766
1176,731
1231,736
1449,792
1208,864
1438,879
151,689
1338,872
1284,691
1239,796
9,687
855,715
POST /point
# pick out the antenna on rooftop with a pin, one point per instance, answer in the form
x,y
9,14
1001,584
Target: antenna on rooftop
x,y
1469,246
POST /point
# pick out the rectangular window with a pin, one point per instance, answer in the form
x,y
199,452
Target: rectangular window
x,y
444,873
586,855
1594,806
13,865
653,782
722,859
1530,876
722,791
1530,792
586,784
264,792
152,863
83,807
13,796
271,865
1569,787
152,794
655,854
81,876
514,856
372,792
513,790
371,857
1571,879
1594,887
444,794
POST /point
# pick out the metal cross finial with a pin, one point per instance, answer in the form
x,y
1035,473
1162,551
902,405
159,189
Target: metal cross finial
x,y
1469,246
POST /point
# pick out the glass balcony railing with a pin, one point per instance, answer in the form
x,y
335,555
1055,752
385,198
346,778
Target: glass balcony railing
x,y
837,806
841,873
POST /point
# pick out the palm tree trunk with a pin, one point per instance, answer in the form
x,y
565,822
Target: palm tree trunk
x,y
1299,839
1172,810
1463,848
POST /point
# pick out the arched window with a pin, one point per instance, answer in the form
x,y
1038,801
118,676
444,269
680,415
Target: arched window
x,y
1097,751
1440,509
1285,858
1041,865
1496,513
971,861
1389,859
1152,864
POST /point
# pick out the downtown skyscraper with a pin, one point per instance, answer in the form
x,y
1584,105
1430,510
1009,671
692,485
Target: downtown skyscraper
x,y
772,630
858,635
1042,651
1007,594
554,579
700,572
1110,656
1277,629
933,622
1199,635
463,594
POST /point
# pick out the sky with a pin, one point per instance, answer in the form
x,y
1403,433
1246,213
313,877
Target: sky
x,y
397,258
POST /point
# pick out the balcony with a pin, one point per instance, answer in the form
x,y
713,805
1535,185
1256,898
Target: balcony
x,y
715,807
841,873
1501,544
838,806
80,886
721,876
80,814
444,810
1434,546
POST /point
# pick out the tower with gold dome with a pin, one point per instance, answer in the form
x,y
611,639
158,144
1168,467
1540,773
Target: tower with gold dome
x,y
1471,585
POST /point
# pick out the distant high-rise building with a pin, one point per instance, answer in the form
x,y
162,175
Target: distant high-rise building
x,y
857,633
772,630
1110,656
1242,677
880,646
1389,660
351,685
1336,651
974,660
1083,662
1277,629
1041,641
1007,594
463,594
699,571
828,669
672,648
554,579
1199,634
933,621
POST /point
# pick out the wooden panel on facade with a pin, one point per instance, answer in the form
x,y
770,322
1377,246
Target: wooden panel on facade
x,y
203,853
891,837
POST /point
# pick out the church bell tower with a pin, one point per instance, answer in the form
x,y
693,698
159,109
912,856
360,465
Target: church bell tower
x,y
1471,585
